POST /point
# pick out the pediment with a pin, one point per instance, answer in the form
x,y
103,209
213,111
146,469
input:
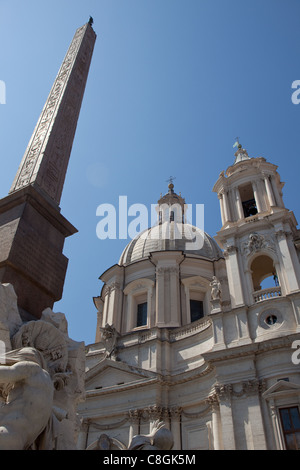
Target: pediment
x,y
111,373
282,388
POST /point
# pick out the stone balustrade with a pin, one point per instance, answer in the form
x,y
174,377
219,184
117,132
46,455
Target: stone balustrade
x,y
266,294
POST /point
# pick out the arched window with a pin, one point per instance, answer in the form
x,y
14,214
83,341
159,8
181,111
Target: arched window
x,y
264,278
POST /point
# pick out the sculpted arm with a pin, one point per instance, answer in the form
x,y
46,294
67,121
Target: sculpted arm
x,y
16,372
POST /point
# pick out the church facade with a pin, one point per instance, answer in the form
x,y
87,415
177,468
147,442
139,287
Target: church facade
x,y
202,337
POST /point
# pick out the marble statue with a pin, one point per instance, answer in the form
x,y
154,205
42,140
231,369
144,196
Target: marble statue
x,y
215,289
41,383
28,390
160,438
109,336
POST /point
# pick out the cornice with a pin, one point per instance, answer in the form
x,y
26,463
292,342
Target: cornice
x,y
250,349
164,334
121,388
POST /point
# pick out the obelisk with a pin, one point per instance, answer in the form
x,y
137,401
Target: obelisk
x,y
32,228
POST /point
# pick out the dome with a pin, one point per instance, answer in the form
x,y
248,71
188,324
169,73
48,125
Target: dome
x,y
171,236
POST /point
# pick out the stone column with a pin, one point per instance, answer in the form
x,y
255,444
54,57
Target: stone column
x,y
256,196
216,423
224,394
160,297
220,196
239,205
249,282
277,195
226,207
252,388
174,296
175,414
106,293
293,253
129,313
269,191
287,261
149,305
234,278
99,306
187,299
115,299
134,419
276,426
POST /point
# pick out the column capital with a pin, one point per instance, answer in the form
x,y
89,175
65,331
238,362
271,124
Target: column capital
x,y
223,391
134,416
230,250
175,412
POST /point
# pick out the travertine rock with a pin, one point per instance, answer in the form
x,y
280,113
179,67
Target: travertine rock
x,y
10,319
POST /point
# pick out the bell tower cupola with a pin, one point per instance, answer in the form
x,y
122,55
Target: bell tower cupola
x,y
171,207
258,232
250,187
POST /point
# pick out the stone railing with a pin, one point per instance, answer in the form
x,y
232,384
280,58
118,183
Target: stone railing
x,y
266,294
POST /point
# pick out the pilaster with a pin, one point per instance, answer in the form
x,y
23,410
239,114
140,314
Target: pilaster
x,y
234,277
223,393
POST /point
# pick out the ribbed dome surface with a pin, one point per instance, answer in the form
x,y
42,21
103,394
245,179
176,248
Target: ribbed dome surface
x,y
171,236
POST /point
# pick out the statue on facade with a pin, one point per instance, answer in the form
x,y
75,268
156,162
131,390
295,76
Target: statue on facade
x,y
215,289
109,336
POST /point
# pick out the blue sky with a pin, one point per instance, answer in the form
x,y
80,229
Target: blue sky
x,y
171,84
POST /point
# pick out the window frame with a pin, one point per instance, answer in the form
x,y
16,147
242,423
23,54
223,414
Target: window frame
x,y
285,432
202,309
137,292
144,321
196,288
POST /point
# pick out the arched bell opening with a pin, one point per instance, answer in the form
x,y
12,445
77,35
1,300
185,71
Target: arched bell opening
x,y
248,201
264,278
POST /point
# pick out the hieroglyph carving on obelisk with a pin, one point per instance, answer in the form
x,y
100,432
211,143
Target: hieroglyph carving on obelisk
x,y
46,158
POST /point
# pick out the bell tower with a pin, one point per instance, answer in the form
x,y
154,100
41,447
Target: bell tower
x,y
259,234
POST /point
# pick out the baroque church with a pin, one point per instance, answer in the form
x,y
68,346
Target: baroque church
x,y
196,335
201,337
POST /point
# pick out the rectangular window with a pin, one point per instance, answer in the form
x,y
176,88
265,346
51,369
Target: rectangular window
x,y
196,307
141,314
290,421
248,200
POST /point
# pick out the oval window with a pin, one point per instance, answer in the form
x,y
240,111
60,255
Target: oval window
x,y
271,319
